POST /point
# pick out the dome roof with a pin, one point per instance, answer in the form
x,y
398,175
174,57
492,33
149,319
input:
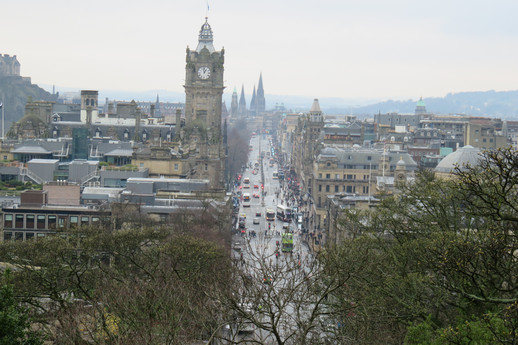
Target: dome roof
x,y
463,156
205,38
420,103
401,162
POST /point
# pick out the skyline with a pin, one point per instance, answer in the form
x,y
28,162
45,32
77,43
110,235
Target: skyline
x,y
357,51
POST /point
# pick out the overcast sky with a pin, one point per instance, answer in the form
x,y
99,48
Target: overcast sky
x,y
355,49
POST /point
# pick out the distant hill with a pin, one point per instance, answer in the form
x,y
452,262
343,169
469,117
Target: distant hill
x,y
14,92
502,104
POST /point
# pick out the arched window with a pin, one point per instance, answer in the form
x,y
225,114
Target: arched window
x,y
87,102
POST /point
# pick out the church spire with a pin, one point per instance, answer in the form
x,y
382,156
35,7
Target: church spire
x,y
253,104
158,113
242,102
260,101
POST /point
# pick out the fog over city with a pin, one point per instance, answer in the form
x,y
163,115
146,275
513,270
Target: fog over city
x,y
358,51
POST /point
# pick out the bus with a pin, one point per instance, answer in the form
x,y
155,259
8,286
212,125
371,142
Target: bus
x,y
270,215
287,242
246,199
284,213
275,175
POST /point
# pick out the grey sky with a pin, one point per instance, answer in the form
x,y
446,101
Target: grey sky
x,y
326,48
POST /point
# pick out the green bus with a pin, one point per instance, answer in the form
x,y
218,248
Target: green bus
x,y
287,242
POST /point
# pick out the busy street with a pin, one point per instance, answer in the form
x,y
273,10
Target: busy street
x,y
268,210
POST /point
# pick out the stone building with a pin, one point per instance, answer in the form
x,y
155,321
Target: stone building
x,y
353,170
9,65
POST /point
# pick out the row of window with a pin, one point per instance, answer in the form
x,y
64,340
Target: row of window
x,y
347,189
346,176
44,222
22,235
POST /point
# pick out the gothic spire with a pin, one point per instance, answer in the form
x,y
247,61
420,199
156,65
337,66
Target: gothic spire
x,y
260,101
242,102
253,104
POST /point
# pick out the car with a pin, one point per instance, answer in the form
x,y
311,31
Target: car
x,y
255,195
256,220
256,186
258,214
286,226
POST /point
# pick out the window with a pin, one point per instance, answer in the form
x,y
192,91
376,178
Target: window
x,y
319,201
176,166
319,188
365,189
95,219
52,222
29,235
40,223
319,175
5,158
18,223
336,189
73,221
29,221
337,176
327,188
369,158
350,177
328,176
206,167
62,222
141,165
349,189
8,236
18,236
328,164
8,221
484,140
85,220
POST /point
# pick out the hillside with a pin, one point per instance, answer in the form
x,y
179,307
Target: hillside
x,y
14,92
503,104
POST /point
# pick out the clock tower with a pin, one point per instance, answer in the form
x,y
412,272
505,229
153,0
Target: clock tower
x,y
204,87
204,83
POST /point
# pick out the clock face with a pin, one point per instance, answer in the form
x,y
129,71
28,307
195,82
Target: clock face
x,y
204,72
